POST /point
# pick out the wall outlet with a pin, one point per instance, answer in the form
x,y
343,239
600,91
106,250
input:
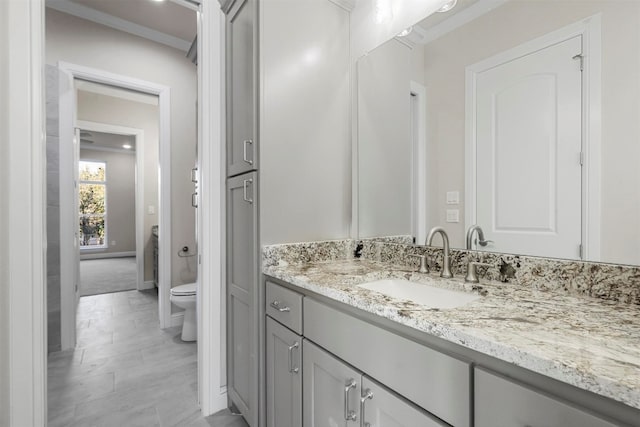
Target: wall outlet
x,y
453,215
151,210
113,243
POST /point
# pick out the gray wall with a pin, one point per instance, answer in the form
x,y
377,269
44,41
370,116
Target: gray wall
x,y
305,132
384,142
4,223
121,198
53,210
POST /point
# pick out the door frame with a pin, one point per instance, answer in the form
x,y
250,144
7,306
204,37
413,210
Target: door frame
x,y
590,30
68,122
138,135
27,328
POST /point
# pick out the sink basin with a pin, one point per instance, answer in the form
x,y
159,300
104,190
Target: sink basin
x,y
426,295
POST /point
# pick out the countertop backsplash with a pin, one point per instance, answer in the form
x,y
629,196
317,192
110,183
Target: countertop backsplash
x,y
609,282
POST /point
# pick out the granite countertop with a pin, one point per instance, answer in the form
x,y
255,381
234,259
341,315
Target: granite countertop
x,y
586,342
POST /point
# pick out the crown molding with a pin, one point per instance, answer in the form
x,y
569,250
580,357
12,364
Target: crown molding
x,y
85,146
347,5
84,12
458,20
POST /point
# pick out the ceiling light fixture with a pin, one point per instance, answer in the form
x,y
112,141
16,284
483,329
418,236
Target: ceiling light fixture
x,y
126,146
405,32
448,6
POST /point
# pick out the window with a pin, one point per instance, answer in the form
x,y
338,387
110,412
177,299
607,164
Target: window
x,y
92,204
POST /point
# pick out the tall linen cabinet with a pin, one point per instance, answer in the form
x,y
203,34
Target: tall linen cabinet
x,y
287,158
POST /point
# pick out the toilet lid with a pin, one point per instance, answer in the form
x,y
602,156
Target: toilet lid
x,y
184,290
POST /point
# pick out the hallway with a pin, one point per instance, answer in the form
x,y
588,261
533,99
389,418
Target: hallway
x,y
125,370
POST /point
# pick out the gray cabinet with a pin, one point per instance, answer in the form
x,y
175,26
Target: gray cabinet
x,y
382,408
284,376
331,390
242,295
335,394
500,402
241,72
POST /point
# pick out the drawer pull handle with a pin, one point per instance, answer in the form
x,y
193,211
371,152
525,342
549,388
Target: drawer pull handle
x,y
244,151
293,369
348,414
245,183
276,305
368,394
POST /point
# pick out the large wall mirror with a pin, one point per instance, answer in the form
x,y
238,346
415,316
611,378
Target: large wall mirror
x,y
520,116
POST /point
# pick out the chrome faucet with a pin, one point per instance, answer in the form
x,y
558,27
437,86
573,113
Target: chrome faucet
x,y
481,240
446,261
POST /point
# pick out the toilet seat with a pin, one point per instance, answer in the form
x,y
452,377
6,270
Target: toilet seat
x,y
184,290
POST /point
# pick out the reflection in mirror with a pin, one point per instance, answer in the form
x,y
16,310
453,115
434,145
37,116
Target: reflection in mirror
x,y
520,116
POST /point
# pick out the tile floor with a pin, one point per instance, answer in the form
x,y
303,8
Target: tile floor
x,y
125,370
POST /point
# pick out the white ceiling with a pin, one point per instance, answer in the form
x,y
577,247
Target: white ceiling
x,y
170,22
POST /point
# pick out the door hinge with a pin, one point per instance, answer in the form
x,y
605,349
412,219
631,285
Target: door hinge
x,y
581,58
581,158
580,251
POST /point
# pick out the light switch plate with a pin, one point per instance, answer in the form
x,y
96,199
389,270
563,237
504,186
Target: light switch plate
x,y
151,210
453,197
453,215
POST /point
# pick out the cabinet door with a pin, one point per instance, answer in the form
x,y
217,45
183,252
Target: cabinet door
x,y
242,289
331,390
284,376
503,403
241,99
382,408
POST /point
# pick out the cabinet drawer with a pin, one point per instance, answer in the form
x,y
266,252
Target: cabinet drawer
x,y
435,381
500,402
285,306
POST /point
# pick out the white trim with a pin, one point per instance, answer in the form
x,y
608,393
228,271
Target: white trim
x,y
138,134
590,30
189,4
93,15
465,16
210,213
26,201
105,255
68,72
420,220
107,149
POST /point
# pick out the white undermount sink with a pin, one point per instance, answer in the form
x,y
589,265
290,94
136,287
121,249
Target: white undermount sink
x,y
426,295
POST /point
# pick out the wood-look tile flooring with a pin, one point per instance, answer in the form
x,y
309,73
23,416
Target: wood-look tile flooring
x,y
125,370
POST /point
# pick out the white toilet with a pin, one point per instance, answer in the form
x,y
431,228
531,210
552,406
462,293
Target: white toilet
x,y
184,296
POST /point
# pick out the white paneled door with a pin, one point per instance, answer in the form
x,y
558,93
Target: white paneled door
x,y
528,152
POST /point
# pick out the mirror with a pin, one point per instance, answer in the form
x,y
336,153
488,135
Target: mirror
x,y
482,115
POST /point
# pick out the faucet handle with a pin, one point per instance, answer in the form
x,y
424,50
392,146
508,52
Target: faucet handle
x,y
424,266
472,272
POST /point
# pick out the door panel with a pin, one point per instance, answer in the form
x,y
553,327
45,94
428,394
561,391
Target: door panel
x,y
284,376
324,382
242,299
529,139
241,143
385,409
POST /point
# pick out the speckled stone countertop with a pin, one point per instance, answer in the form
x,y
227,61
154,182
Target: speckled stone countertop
x,y
586,342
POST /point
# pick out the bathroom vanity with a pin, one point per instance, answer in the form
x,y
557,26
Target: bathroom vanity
x,y
514,357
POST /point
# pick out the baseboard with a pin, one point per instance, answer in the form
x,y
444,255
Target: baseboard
x,y
100,255
177,319
147,284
